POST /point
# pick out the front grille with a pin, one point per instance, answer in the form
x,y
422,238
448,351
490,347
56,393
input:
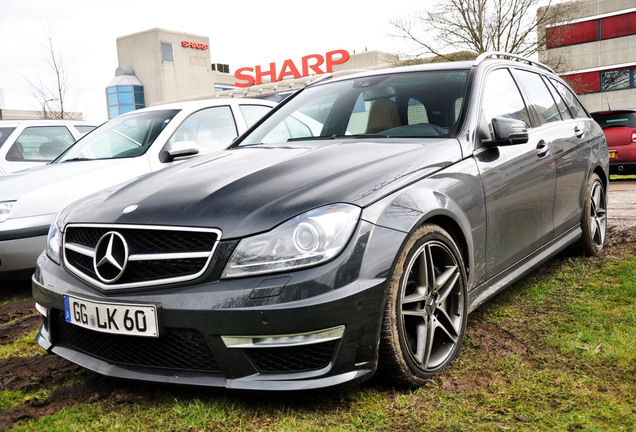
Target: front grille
x,y
139,255
293,359
178,349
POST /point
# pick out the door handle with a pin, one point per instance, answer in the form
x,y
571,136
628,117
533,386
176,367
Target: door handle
x,y
543,149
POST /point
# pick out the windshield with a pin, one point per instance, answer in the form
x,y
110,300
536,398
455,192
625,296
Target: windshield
x,y
122,137
414,104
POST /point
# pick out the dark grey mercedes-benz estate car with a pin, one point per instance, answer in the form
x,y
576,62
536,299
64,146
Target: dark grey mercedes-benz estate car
x,y
351,230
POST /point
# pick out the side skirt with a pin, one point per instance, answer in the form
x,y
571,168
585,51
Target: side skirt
x,y
491,287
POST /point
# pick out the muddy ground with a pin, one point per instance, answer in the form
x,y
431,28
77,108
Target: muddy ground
x,y
42,371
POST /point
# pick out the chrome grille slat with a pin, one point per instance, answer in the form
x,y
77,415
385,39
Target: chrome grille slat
x,y
154,254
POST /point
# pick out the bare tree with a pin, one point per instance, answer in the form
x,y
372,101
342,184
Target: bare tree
x,y
50,93
479,26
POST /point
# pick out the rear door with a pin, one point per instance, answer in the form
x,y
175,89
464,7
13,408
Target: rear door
x,y
518,180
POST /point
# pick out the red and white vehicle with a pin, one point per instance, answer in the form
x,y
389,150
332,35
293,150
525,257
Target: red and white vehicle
x,y
620,132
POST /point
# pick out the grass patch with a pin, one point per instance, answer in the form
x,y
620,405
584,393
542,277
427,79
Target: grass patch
x,y
23,347
553,352
623,177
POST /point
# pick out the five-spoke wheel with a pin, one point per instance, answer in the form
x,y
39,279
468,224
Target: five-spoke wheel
x,y
425,314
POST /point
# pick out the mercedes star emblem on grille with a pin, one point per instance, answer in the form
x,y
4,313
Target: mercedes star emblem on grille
x,y
111,257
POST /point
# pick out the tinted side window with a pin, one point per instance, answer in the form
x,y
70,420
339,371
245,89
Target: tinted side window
x,y
40,143
502,99
572,102
212,128
563,108
253,113
539,96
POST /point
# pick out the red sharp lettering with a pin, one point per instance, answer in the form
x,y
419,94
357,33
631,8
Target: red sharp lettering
x,y
331,58
288,69
241,75
314,67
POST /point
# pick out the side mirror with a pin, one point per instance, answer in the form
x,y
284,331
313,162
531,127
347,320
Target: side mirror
x,y
509,131
179,149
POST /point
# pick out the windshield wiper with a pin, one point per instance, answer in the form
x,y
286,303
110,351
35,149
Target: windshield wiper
x,y
335,136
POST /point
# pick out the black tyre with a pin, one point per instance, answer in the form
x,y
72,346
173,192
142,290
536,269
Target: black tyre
x,y
425,312
594,218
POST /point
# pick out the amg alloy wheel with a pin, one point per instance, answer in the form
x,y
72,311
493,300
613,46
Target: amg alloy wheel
x,y
425,313
594,218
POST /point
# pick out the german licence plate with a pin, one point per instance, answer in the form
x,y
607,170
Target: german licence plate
x,y
126,319
612,154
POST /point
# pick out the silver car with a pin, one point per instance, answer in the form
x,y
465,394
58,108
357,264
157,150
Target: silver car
x,y
29,143
124,148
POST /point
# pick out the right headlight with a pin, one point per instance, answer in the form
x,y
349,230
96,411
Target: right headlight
x,y
306,240
5,209
54,242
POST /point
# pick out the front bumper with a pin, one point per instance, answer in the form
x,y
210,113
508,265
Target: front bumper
x,y
197,320
21,242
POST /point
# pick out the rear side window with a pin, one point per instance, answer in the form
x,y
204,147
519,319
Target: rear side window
x,y
571,100
563,108
502,99
539,96
40,143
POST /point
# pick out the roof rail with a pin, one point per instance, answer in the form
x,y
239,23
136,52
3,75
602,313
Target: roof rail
x,y
505,55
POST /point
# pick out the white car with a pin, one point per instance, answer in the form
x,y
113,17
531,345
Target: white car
x,y
122,149
28,143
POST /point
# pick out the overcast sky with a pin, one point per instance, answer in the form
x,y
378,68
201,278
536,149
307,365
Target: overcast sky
x,y
242,33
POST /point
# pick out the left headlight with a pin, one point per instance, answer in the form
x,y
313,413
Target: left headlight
x,y
54,242
306,240
5,209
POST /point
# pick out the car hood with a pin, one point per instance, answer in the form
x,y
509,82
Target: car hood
x,y
49,188
247,190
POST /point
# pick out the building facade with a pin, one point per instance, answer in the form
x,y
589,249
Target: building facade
x,y
160,66
596,52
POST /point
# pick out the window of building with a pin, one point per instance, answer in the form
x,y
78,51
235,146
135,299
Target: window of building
x,y
616,79
571,34
124,98
587,82
166,52
602,81
618,25
593,30
221,67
